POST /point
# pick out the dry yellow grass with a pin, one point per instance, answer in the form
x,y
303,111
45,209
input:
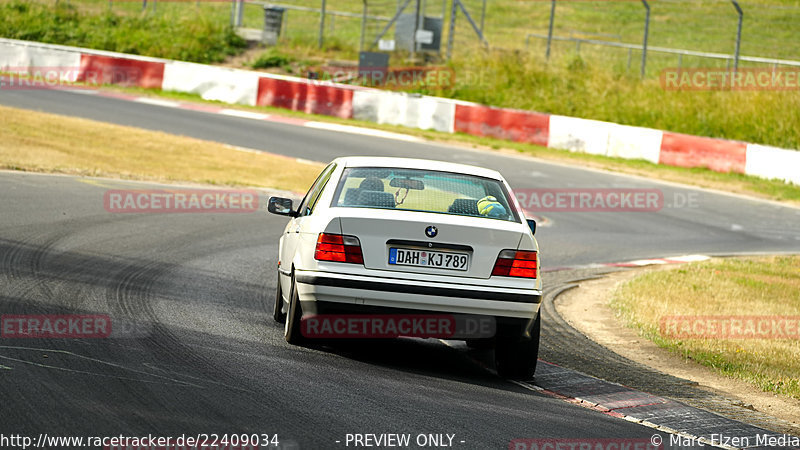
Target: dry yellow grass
x,y
34,141
763,286
728,182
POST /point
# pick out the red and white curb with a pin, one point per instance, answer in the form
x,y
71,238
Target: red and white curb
x,y
657,261
610,412
635,263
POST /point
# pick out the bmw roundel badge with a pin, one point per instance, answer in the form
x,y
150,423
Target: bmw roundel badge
x,y
431,231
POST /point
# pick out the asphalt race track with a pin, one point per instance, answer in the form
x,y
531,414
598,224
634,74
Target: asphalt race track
x,y
197,351
718,224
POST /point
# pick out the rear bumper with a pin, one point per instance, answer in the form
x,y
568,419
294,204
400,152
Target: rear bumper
x,y
395,293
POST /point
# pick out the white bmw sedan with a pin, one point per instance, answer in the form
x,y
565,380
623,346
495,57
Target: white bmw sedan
x,y
395,237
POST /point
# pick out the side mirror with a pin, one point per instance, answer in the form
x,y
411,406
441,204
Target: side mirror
x,y
281,206
532,225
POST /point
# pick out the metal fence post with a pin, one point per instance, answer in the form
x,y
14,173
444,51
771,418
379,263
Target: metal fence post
x,y
363,26
452,30
321,38
483,14
240,13
630,54
738,35
550,27
472,23
391,22
416,27
646,31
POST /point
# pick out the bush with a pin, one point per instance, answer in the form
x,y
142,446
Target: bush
x,y
272,58
202,38
575,87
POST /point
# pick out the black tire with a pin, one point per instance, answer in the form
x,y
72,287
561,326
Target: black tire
x,y
515,357
291,330
277,311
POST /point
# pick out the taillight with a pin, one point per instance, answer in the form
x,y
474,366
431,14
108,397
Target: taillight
x,y
515,263
339,248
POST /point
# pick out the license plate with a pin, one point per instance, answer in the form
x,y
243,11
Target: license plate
x,y
426,258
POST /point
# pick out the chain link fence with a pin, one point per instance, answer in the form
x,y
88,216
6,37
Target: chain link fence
x,y
680,33
349,25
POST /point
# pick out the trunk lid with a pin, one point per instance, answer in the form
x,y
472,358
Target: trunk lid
x,y
381,230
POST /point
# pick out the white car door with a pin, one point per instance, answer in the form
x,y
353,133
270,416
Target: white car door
x,y
292,233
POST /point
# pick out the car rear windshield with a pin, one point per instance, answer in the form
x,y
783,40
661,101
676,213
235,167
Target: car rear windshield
x,y
425,191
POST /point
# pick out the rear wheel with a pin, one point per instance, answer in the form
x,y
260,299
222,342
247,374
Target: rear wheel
x,y
277,311
515,357
291,330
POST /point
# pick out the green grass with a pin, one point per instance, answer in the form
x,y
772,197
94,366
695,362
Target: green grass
x,y
701,25
762,286
581,88
769,28
597,83
196,36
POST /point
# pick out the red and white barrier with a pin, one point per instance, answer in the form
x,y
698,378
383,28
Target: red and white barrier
x,y
308,96
396,108
720,155
122,71
14,57
510,124
77,64
345,101
604,138
772,162
579,135
212,83
634,143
